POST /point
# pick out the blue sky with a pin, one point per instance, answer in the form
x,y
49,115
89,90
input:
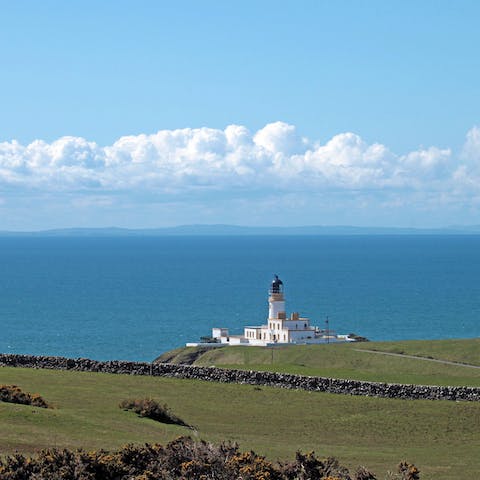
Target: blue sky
x,y
150,113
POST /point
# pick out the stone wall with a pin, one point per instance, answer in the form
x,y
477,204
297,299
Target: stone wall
x,y
271,379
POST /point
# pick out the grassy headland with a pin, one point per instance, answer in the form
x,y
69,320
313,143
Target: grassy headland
x,y
441,437
352,361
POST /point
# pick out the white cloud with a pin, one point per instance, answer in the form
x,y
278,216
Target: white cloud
x,y
169,160
466,177
280,138
346,161
212,164
471,148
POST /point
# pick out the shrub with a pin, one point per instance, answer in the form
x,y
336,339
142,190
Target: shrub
x,y
149,408
309,467
182,459
363,474
408,471
14,394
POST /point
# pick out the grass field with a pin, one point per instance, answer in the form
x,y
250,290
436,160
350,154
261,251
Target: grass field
x,y
442,438
353,362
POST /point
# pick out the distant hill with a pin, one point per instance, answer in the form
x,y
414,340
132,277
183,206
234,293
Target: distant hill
x,y
226,230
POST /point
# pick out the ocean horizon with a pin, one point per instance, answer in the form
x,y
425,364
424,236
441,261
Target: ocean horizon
x,y
133,298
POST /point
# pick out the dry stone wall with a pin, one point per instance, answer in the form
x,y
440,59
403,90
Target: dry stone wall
x,y
271,379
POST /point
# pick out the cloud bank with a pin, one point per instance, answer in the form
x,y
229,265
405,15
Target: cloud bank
x,y
202,165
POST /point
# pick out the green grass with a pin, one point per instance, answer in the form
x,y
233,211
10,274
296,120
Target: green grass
x,y
442,438
454,350
346,361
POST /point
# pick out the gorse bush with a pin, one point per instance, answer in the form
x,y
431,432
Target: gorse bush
x,y
408,471
149,408
182,459
14,394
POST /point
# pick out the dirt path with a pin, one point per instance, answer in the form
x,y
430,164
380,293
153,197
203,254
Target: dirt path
x,y
415,357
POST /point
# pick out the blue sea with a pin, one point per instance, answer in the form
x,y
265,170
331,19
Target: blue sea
x,y
133,298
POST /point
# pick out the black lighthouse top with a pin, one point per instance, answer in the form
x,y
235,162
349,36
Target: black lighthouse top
x,y
277,285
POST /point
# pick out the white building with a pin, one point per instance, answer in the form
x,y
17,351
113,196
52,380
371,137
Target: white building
x,y
279,329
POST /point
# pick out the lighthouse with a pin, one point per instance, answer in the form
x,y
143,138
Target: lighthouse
x,y
276,300
279,328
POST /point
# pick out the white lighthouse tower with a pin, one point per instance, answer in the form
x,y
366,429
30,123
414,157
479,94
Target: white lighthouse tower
x,y
279,328
276,300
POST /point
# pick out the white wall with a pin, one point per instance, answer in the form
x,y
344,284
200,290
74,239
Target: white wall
x,y
296,335
275,307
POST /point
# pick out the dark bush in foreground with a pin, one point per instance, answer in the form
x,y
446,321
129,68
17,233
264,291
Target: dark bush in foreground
x,y
408,471
14,394
182,459
149,408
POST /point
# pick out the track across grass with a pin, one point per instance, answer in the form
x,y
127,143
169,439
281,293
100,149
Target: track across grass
x,y
416,357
